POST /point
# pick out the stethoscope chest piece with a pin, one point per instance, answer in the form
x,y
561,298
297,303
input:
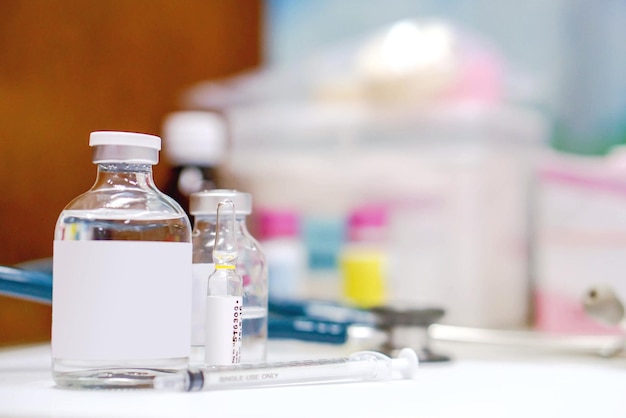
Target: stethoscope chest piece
x,y
407,326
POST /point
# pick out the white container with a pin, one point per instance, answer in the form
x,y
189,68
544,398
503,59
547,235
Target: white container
x,y
466,250
580,240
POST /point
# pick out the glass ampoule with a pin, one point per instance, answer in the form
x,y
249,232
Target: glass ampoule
x,y
224,303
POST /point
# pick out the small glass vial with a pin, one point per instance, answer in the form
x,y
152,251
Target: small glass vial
x,y
363,260
122,273
251,265
287,258
224,300
195,144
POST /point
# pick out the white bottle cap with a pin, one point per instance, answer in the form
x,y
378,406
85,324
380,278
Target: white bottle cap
x,y
205,203
194,138
127,147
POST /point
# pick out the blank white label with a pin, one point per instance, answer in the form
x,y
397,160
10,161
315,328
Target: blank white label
x,y
201,273
121,300
223,330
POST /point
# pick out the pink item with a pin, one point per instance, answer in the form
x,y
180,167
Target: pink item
x,y
556,313
276,223
365,219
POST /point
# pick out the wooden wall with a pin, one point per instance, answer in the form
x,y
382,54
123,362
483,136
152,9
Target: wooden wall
x,y
70,67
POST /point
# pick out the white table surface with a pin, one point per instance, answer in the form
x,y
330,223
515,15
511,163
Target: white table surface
x,y
492,383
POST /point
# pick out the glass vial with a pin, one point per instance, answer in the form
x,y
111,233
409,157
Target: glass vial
x,y
122,273
286,254
251,265
194,143
363,259
224,301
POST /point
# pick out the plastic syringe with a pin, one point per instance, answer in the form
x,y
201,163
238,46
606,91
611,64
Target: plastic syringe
x,y
360,366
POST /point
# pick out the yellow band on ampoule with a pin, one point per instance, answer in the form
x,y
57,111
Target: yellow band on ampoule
x,y
220,267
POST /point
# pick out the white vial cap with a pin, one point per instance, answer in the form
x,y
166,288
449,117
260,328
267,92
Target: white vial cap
x,y
127,147
194,138
205,202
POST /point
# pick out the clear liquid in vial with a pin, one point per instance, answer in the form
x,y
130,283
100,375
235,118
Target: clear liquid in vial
x,y
254,334
122,225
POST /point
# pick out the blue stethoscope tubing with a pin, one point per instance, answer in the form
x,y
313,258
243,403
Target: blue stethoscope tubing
x,y
26,284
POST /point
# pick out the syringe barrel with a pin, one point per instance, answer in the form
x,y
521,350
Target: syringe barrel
x,y
285,373
364,365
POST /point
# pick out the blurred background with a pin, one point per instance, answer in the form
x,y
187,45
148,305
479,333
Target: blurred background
x,y
463,154
71,67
